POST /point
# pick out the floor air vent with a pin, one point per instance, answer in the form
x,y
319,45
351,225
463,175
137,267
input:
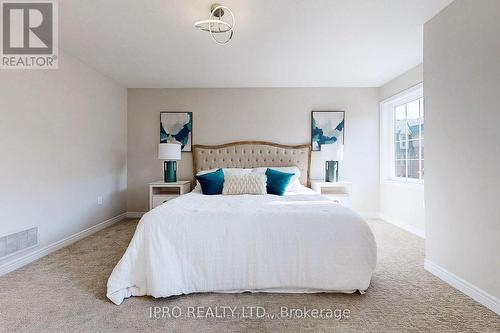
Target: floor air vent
x,y
19,241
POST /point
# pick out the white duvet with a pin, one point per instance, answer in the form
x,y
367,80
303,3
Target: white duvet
x,y
267,243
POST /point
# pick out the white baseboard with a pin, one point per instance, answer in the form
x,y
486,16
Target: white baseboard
x,y
135,215
43,251
467,288
411,229
369,216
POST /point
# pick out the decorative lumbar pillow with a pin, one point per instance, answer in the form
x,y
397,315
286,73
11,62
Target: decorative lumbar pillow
x,y
277,181
212,182
294,184
252,183
227,172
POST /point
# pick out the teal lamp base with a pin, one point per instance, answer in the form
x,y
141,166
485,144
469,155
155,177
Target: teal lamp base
x,y
332,171
170,171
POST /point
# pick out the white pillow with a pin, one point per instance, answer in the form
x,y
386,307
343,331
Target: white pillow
x,y
227,172
251,183
294,184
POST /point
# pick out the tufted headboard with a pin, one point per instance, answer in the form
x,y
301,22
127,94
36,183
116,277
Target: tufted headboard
x,y
253,154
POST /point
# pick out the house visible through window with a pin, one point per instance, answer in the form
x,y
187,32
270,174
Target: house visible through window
x,y
409,140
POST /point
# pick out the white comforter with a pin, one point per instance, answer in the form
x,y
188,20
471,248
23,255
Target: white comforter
x,y
201,243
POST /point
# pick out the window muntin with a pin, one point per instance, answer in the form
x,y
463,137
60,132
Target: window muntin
x,y
408,131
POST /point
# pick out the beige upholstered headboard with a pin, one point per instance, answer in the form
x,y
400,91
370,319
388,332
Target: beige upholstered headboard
x,y
253,154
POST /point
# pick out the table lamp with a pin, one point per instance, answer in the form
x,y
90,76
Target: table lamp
x,y
332,153
170,153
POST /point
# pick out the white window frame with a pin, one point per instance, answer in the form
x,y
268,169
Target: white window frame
x,y
387,160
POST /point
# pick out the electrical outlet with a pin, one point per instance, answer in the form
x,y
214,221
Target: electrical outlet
x,y
99,200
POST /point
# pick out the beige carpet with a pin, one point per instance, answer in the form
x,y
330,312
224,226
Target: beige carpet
x,y
66,290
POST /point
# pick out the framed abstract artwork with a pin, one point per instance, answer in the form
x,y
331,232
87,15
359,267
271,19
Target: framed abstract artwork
x,y
326,127
177,127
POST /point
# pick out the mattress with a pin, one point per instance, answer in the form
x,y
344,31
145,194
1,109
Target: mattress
x,y
300,242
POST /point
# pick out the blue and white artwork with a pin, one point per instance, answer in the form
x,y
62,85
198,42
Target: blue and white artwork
x,y
327,127
177,127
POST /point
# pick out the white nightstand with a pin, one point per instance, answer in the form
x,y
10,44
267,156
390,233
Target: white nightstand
x,y
160,192
337,191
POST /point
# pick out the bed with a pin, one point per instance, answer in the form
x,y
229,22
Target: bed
x,y
297,243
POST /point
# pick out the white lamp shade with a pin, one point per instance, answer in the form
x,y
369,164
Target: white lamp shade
x,y
169,151
332,152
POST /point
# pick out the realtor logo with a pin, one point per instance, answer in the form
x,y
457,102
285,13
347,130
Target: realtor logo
x,y
29,35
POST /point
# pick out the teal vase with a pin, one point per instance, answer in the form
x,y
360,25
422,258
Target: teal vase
x,y
170,171
332,171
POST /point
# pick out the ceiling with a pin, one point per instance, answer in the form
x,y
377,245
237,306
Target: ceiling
x,y
277,43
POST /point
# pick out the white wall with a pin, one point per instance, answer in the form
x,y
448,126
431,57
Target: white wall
x,y
62,143
402,203
272,114
462,90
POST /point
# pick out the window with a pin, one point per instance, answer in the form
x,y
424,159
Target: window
x,y
409,140
402,137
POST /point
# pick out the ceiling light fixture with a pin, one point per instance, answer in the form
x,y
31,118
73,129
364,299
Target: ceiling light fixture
x,y
215,24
